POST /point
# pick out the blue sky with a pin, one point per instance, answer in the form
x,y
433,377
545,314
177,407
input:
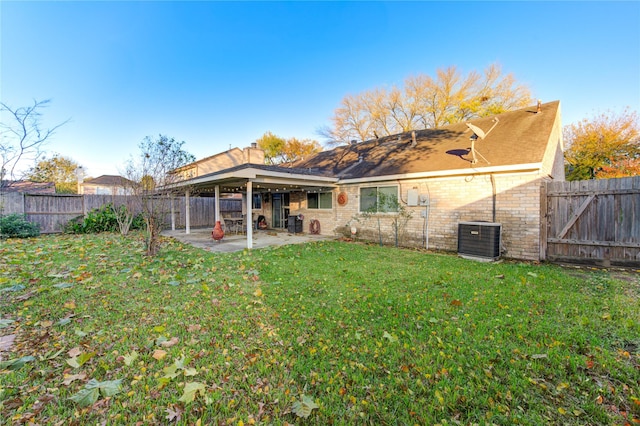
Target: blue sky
x,y
219,74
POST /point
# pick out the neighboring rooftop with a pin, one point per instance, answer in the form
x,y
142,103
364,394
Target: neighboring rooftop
x,y
107,180
29,187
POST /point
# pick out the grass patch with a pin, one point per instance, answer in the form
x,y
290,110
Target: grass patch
x,y
369,335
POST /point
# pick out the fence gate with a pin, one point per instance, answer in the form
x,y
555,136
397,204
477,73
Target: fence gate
x,y
593,222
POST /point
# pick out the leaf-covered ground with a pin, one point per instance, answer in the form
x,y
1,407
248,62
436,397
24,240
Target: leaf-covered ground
x,y
94,332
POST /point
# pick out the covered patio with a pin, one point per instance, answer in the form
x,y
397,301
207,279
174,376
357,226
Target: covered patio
x,y
201,238
249,180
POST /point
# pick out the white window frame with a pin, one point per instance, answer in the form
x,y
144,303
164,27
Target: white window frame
x,y
377,189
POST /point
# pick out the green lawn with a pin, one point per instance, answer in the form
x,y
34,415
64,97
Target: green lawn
x,y
340,332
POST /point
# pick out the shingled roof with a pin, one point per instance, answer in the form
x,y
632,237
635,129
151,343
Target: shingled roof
x,y
108,180
519,137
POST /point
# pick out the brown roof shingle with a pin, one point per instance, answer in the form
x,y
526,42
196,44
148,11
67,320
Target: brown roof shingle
x,y
520,137
107,180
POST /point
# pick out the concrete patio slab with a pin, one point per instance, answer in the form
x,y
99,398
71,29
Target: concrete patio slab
x,y
201,238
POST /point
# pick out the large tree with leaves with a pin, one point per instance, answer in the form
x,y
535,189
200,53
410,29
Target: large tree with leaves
x,y
425,102
151,178
21,139
63,171
278,150
606,145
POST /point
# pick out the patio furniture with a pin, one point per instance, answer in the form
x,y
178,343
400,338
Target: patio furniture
x,y
234,224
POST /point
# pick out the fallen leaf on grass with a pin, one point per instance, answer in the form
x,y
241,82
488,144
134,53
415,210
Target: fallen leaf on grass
x,y
92,390
63,285
174,413
64,321
80,360
68,379
80,333
74,352
6,322
15,364
191,389
389,337
26,296
6,342
171,342
16,287
159,354
50,355
130,357
304,407
70,305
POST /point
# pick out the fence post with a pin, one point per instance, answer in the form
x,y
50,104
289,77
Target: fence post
x,y
187,209
543,221
173,214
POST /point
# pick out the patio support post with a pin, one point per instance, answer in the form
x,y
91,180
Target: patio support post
x,y
217,204
187,214
249,214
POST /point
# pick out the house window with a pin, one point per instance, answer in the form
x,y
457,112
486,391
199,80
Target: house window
x,y
379,199
319,200
257,201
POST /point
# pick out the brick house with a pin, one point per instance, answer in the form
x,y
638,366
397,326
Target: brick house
x,y
105,185
490,169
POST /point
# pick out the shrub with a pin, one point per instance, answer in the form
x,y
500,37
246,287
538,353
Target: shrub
x,y
17,226
99,220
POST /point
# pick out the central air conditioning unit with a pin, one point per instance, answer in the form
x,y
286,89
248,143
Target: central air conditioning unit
x,y
479,240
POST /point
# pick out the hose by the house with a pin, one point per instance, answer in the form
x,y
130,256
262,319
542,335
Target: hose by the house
x,y
314,227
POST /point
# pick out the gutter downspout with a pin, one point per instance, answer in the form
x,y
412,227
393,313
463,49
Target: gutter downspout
x,y
493,190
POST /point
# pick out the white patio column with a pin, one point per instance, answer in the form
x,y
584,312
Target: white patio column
x,y
249,214
173,213
187,213
217,204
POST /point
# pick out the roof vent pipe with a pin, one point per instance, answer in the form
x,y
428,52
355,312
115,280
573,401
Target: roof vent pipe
x,y
539,106
254,144
414,142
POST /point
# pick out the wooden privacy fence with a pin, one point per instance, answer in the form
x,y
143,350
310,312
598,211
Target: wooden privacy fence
x,y
595,222
53,211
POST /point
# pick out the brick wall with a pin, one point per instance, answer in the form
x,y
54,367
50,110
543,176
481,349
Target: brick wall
x,y
451,200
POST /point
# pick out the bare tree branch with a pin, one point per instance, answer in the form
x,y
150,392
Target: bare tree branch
x,y
21,137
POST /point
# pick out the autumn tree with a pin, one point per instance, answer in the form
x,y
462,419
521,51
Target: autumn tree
x,y
63,171
150,178
425,102
278,150
21,138
273,147
607,145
